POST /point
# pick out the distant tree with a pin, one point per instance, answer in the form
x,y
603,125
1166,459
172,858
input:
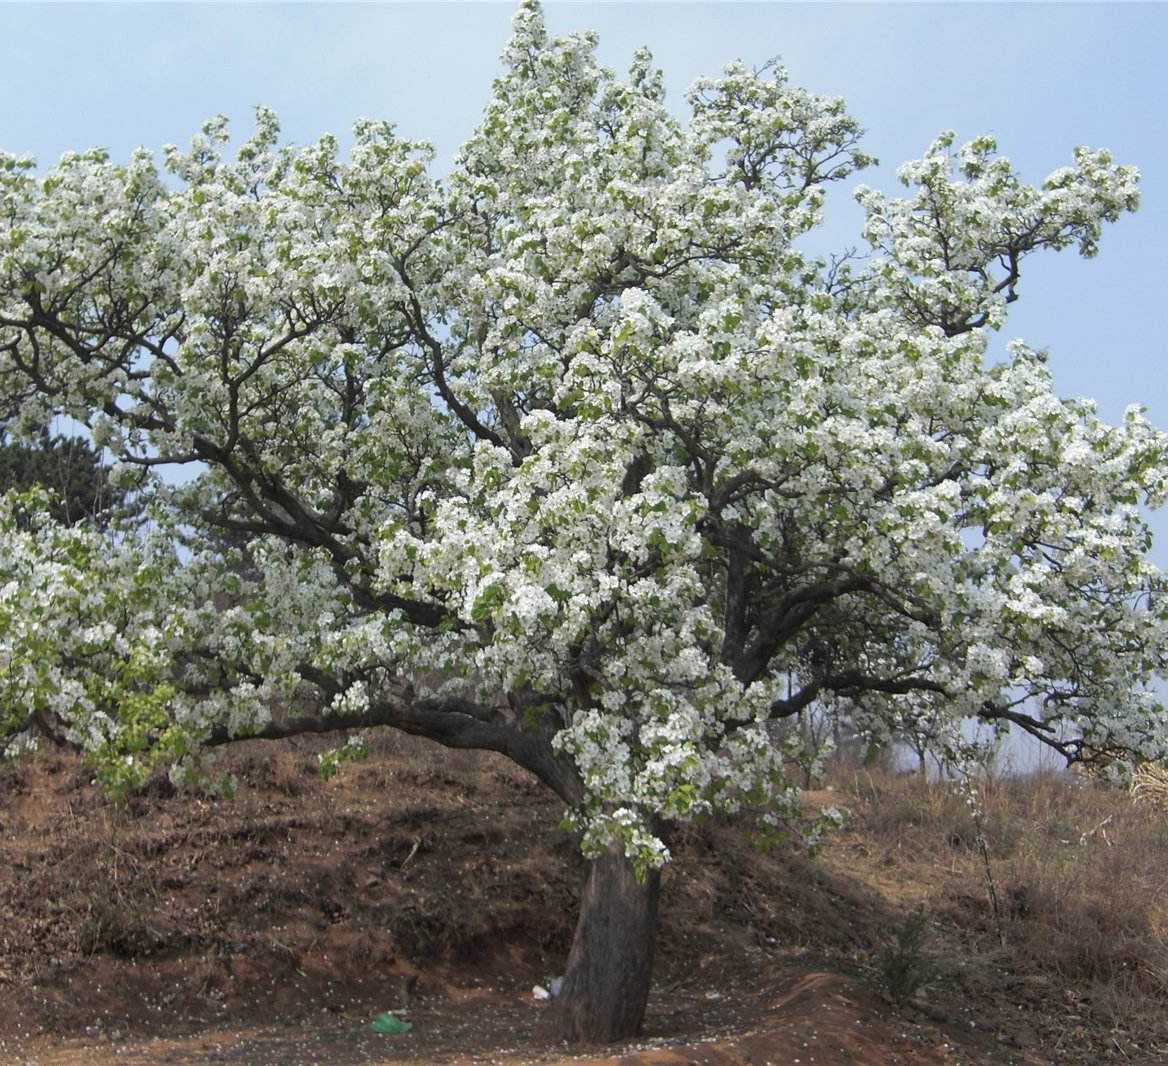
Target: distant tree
x,y
576,457
70,467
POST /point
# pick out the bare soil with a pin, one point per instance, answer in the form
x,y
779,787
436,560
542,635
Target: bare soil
x,y
272,927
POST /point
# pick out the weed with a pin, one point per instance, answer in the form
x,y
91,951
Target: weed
x,y
905,967
115,927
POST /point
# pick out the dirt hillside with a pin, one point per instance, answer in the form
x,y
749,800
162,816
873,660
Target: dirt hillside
x,y
271,927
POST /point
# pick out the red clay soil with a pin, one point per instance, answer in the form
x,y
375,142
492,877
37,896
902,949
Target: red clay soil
x,y
269,929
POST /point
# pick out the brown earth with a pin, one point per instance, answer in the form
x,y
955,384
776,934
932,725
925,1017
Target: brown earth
x,y
270,928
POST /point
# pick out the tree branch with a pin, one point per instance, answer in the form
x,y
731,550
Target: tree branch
x,y
450,721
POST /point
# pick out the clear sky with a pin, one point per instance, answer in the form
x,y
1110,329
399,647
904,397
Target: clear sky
x,y
1041,77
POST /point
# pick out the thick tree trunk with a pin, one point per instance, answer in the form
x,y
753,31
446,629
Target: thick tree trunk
x,y
610,965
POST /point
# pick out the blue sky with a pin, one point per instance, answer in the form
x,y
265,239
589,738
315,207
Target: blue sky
x,y
1041,77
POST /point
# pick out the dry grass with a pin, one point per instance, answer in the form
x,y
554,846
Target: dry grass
x,y
1150,785
1077,870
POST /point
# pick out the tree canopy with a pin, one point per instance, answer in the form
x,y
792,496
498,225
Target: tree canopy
x,y
574,454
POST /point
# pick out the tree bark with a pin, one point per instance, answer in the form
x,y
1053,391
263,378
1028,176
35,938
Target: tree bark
x,y
610,965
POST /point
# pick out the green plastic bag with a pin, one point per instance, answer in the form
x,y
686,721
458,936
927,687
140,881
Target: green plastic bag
x,y
387,1023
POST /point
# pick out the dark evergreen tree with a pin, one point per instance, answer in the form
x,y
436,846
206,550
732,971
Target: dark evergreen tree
x,y
70,467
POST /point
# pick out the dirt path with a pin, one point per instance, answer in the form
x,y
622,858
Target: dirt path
x,y
819,1019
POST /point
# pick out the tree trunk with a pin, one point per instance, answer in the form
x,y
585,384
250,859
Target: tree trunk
x,y
610,965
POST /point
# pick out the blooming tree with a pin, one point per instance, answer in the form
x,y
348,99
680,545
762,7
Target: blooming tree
x,y
572,455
